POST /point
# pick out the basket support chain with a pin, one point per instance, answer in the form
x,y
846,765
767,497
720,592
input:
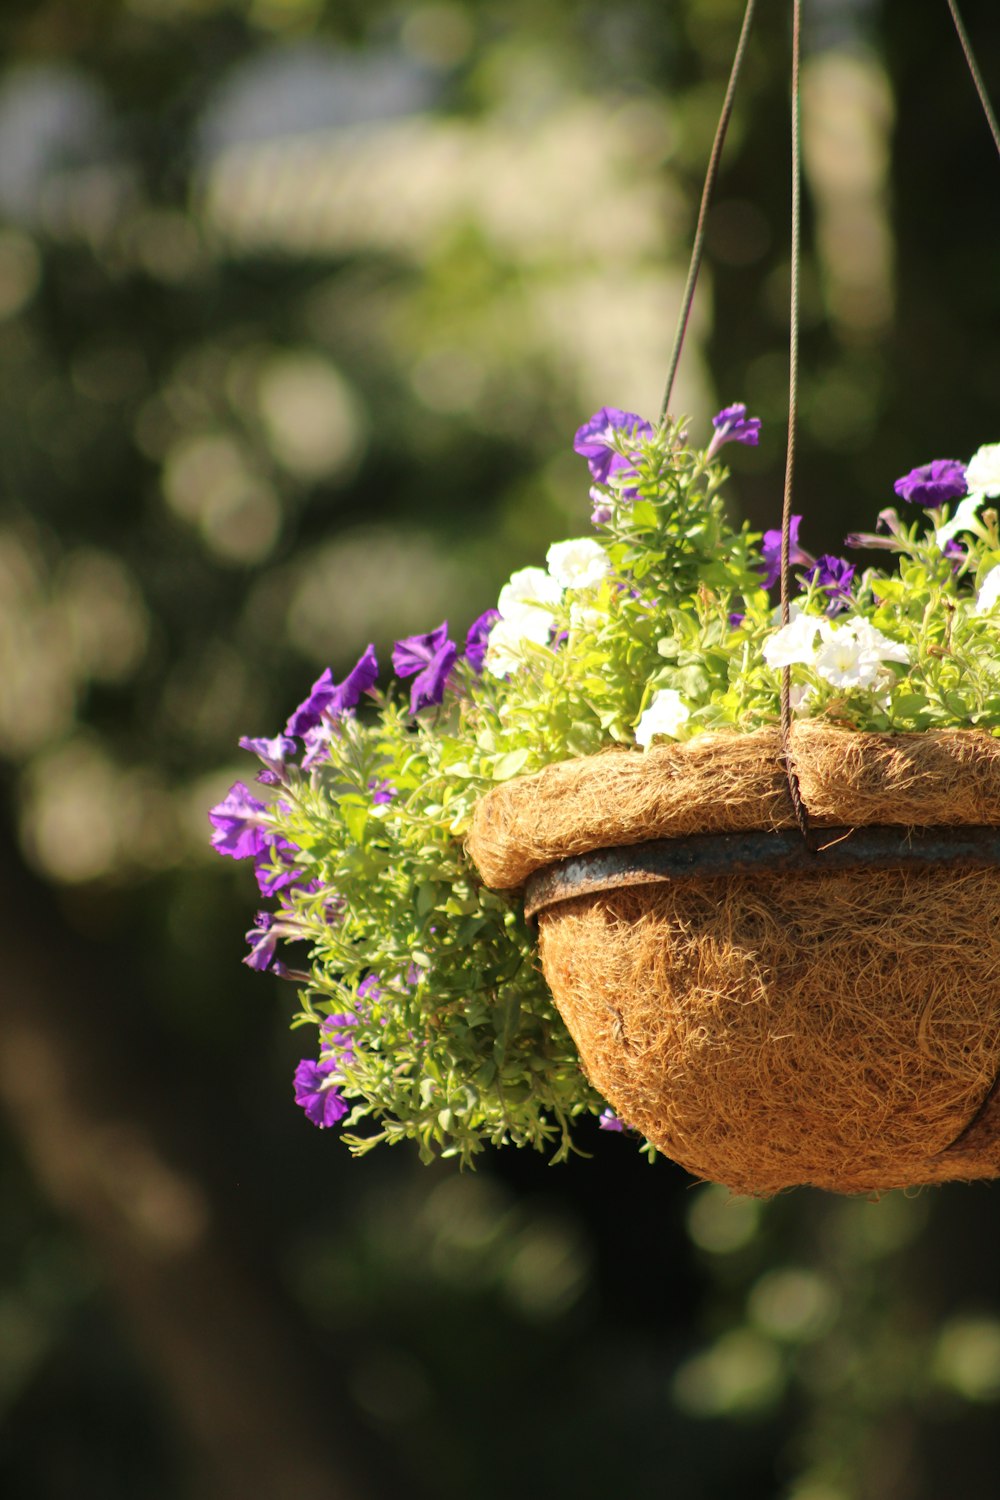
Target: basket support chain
x,y
711,174
977,77
798,806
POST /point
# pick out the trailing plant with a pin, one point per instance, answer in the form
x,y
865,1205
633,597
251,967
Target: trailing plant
x,y
434,1022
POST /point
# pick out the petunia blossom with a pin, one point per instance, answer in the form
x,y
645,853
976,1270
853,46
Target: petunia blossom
x,y
795,642
933,484
431,657
580,563
263,939
966,518
770,550
732,425
528,588
316,1092
273,753
852,655
329,699
477,637
989,593
595,440
983,472
239,829
608,1120
834,576
275,866
666,713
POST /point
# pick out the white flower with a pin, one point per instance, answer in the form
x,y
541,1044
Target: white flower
x,y
964,519
795,642
852,654
982,473
577,564
525,615
989,592
528,586
665,715
505,647
586,617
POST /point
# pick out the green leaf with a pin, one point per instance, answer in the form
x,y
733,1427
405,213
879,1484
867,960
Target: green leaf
x,y
510,764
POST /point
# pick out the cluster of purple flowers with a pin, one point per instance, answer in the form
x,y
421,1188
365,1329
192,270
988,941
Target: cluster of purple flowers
x,y
241,825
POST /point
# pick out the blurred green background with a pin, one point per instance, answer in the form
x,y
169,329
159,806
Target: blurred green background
x,y
300,304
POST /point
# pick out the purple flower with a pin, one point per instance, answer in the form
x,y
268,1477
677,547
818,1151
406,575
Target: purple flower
x,y
382,790
732,425
834,576
736,620
328,699
478,638
273,753
239,831
595,440
263,941
770,548
275,866
933,483
369,988
335,1036
601,513
316,1092
432,657
608,1120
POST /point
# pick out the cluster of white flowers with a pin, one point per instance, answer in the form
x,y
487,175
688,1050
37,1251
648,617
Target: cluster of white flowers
x,y
527,601
848,654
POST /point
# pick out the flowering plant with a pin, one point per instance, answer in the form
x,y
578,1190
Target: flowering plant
x,y
433,1019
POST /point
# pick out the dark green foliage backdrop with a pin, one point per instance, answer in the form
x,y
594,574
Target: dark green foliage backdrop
x,y
300,303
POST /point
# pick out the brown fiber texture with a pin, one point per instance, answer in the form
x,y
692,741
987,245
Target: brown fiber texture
x,y
837,1029
727,783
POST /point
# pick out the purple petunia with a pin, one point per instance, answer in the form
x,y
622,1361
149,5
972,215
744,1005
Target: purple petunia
x,y
275,866
596,438
317,1094
478,637
770,548
732,425
933,484
273,753
834,576
263,940
336,1036
239,831
431,657
382,790
370,988
608,1120
328,699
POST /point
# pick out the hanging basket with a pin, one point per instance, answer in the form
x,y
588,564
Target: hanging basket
x,y
766,1013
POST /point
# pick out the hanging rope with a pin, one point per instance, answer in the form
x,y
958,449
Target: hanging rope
x,y
977,76
798,807
706,200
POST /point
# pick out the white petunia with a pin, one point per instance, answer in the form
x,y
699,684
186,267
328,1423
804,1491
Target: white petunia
x,y
795,642
964,519
982,473
505,647
665,715
586,617
852,654
577,564
528,586
989,592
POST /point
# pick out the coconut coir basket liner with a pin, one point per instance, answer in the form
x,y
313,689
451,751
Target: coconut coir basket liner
x,y
767,1028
